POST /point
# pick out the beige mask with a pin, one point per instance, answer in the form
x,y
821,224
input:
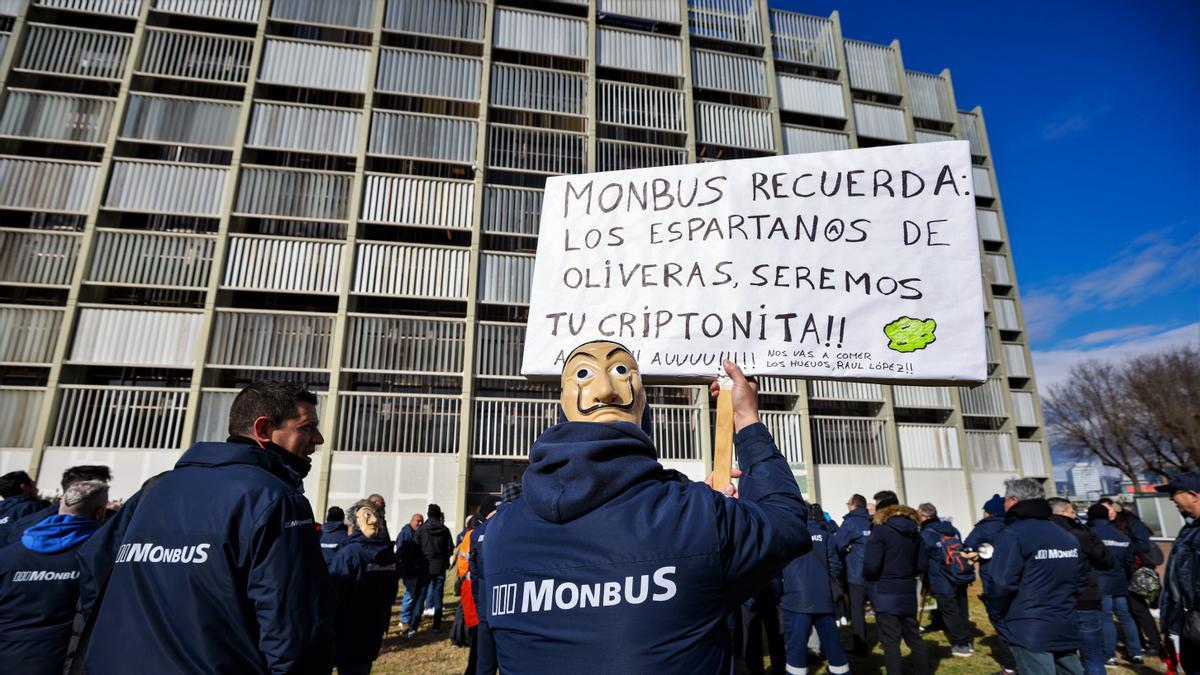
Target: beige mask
x,y
368,522
601,383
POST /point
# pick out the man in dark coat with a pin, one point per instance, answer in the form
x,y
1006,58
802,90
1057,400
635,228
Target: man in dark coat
x,y
1037,573
1087,607
20,498
219,567
39,582
948,585
808,600
851,543
437,545
891,567
1181,582
608,562
1114,586
365,580
412,568
333,533
981,541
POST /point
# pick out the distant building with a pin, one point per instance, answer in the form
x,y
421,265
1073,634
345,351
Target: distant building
x,y
1085,479
1063,487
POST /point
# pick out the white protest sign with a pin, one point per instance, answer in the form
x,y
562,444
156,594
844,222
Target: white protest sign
x,y
856,264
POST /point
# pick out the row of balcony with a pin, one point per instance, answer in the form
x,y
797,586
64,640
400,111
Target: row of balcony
x,y
152,418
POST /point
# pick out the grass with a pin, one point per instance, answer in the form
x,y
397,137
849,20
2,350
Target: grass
x,y
431,653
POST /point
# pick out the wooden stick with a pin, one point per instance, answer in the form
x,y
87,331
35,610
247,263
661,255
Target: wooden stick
x,y
723,448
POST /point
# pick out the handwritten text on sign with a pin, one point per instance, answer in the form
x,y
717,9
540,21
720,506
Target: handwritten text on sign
x,y
858,264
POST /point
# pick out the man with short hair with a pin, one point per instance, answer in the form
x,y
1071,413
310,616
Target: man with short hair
x,y
851,542
1088,605
1181,583
71,476
948,576
218,568
381,508
334,533
39,582
20,499
1037,573
412,568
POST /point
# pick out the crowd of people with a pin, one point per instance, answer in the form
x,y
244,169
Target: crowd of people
x,y
593,561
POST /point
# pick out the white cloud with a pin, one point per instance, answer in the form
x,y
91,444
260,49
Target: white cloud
x,y
1053,366
1154,264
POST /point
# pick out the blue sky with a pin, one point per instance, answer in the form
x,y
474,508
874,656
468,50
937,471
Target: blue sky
x,y
1093,112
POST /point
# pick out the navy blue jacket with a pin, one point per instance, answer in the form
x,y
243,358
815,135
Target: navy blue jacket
x,y
409,553
1181,582
1115,580
851,542
219,569
485,646
894,561
15,508
610,562
333,537
12,531
365,580
984,532
1037,573
932,532
807,580
39,591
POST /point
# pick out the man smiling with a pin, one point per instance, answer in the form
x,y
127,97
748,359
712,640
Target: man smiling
x,y
610,563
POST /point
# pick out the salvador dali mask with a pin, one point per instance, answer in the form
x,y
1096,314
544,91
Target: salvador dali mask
x,y
601,383
367,521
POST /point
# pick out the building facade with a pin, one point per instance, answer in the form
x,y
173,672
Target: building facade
x,y
1086,480
198,193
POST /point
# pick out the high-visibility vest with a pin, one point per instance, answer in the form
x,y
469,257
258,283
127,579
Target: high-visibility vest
x,y
463,559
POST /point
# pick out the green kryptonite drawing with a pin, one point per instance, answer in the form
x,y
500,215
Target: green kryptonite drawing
x,y
907,334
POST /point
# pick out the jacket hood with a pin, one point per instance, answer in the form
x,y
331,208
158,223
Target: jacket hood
x,y
1035,509
857,513
59,533
938,525
269,458
574,467
901,518
332,526
377,547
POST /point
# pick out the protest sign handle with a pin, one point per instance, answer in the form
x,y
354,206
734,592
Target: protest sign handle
x,y
723,447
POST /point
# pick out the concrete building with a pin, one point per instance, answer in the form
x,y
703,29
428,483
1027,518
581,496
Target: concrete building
x,y
1086,481
198,193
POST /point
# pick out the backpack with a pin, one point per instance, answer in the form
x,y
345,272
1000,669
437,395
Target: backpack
x,y
958,569
1146,583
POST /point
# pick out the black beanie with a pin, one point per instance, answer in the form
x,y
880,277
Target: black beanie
x,y
885,502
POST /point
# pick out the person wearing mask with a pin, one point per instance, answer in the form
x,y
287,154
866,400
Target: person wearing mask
x,y
808,601
39,582
979,545
412,568
1088,605
1114,586
948,574
381,509
437,545
1146,559
75,474
612,562
892,566
20,499
1180,603
334,533
851,543
365,580
225,545
1037,573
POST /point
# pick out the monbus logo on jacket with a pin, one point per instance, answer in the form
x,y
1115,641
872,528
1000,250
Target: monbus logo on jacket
x,y
44,575
551,594
149,552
